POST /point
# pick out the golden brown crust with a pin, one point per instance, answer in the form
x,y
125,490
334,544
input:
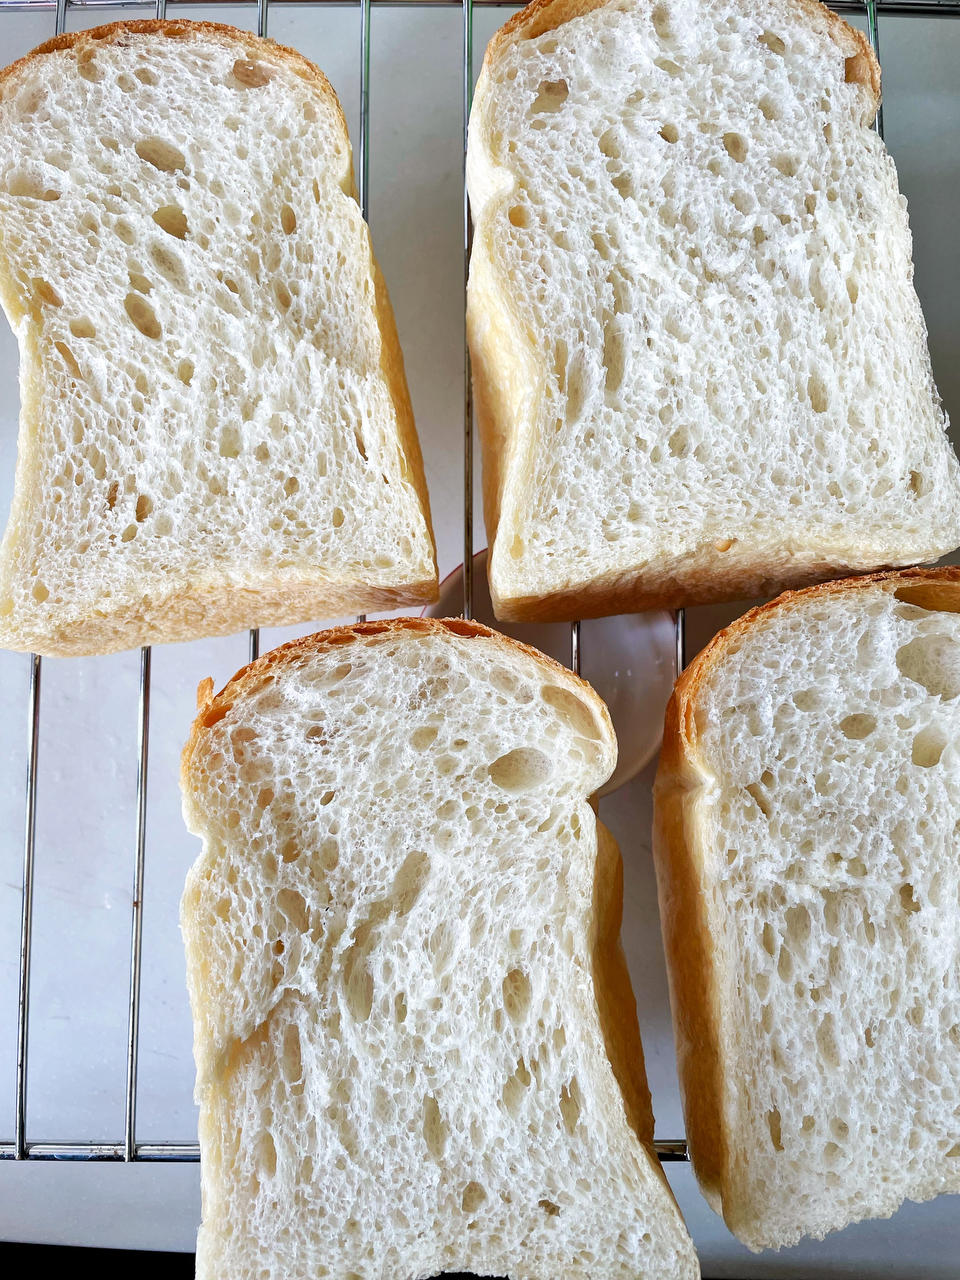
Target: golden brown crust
x,y
215,707
541,16
680,855
174,29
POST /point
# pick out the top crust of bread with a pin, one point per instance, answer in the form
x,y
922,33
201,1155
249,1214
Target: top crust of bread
x,y
548,560
688,848
540,16
206,598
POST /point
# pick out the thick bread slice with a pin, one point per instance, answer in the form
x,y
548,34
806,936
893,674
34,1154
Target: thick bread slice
x,y
417,1048
700,364
215,427
806,836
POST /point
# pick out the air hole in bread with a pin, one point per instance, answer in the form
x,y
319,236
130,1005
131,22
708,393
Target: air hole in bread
x,y
570,1105
551,95
185,371
769,107
516,995
473,1197
83,327
735,145
68,359
669,133
549,1208
514,1088
918,484
294,908
772,42
250,75
139,282
337,518
87,67
423,737
142,315
522,769
22,182
435,1129
932,661
282,294
667,65
519,216
661,22
161,154
817,394
231,442
172,219
787,165
129,533
40,592
774,1125
908,901
857,726
582,719
928,747
288,220
45,292
144,507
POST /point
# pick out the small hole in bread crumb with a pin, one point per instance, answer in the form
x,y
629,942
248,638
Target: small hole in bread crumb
x,y
172,219
162,155
288,220
735,146
142,315
772,42
251,75
669,133
551,95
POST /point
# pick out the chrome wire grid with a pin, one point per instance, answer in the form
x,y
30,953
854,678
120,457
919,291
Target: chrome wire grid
x,y
128,1148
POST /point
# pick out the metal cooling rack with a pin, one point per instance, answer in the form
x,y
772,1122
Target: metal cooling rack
x,y
128,1148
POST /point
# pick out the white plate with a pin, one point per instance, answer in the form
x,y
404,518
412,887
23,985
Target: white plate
x,y
630,659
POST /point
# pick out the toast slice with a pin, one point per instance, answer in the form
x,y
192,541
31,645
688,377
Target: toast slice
x,y
215,428
700,365
807,811
417,1048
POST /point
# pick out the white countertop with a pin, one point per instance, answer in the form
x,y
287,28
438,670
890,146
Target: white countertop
x,y
87,776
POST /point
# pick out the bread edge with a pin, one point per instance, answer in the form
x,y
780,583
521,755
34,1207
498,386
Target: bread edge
x,y
221,608
503,356
680,846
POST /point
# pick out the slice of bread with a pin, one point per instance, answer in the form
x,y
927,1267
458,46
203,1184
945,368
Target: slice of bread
x,y
417,1048
807,815
700,364
215,427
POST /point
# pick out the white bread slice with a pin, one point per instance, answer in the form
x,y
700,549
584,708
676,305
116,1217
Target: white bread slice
x,y
215,427
807,811
700,364
417,1048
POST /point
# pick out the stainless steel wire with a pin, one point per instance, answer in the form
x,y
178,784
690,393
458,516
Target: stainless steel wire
x,y
129,1149
467,47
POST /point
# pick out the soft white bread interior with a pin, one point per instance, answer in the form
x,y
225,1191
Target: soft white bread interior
x,y
417,1048
215,427
700,364
807,817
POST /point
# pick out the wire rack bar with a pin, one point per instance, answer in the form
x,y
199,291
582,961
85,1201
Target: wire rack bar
x,y
363,176
889,8
136,908
467,7
189,1152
